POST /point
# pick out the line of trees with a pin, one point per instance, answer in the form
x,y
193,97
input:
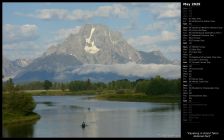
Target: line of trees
x,y
156,85
9,86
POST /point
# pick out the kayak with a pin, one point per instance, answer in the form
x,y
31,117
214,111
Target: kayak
x,y
83,125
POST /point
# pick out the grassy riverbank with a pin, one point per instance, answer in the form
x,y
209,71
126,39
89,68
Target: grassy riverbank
x,y
59,92
18,108
140,97
111,95
11,118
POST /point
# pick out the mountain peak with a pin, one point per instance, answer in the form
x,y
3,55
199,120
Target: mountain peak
x,y
95,25
97,44
154,57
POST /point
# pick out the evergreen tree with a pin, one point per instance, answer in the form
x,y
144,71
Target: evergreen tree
x,y
62,86
10,86
47,84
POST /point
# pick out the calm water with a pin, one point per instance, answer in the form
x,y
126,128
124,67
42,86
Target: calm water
x,y
61,116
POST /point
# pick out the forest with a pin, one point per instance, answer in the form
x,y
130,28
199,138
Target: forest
x,y
154,86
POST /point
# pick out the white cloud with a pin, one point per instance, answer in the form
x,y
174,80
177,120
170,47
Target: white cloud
x,y
160,25
167,42
104,11
51,13
155,26
133,69
23,50
119,10
127,29
172,49
29,49
65,32
165,10
19,33
60,35
166,35
149,40
116,10
172,52
160,10
79,15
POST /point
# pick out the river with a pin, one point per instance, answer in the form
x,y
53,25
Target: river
x,y
61,116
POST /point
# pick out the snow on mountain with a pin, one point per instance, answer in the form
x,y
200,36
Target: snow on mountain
x,y
11,68
99,53
22,62
97,44
90,47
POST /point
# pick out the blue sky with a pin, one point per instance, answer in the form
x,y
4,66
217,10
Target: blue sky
x,y
30,28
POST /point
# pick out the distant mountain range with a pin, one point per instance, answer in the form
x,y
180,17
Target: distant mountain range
x,y
11,68
95,45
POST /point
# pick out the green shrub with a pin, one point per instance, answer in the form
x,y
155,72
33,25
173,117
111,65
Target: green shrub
x,y
159,85
120,91
18,103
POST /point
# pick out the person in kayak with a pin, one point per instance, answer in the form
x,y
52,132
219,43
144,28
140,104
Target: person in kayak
x,y
83,124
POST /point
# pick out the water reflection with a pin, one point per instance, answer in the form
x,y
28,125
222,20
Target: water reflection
x,y
25,130
61,116
72,107
171,107
47,103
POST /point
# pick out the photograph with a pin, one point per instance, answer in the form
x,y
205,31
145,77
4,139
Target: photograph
x,y
91,69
